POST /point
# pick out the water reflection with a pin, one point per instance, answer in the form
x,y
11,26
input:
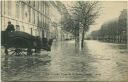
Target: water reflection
x,y
13,66
97,61
107,56
70,63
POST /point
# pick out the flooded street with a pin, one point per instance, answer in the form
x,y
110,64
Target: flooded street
x,y
98,61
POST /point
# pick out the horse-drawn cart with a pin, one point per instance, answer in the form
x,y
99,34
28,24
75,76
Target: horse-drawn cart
x,y
21,43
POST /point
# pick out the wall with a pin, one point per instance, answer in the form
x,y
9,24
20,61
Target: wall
x,y
31,16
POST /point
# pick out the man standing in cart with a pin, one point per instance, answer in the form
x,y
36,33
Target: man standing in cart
x,y
10,27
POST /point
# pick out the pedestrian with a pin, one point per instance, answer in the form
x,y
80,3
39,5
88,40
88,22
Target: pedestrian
x,y
10,27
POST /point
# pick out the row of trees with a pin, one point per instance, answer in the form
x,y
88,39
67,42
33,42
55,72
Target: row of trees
x,y
114,30
79,17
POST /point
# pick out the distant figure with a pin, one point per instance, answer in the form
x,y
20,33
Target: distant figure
x,y
50,42
38,43
17,28
44,42
10,27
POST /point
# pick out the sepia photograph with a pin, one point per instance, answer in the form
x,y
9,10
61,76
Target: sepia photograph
x,y
64,41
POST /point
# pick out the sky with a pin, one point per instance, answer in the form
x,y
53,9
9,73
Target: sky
x,y
109,10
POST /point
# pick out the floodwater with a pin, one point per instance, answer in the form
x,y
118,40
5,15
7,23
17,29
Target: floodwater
x,y
98,61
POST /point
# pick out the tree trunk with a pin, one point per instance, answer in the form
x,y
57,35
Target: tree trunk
x,y
82,41
77,38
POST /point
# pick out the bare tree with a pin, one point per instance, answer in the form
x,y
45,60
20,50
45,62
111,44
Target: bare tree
x,y
86,12
83,14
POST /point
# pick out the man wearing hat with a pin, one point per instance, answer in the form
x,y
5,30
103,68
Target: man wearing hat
x,y
10,27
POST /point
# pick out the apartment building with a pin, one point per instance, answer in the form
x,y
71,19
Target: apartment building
x,y
32,17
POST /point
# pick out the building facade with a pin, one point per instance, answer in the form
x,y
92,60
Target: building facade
x,y
31,16
55,20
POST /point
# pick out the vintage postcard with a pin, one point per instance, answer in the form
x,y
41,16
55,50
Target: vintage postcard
x,y
62,41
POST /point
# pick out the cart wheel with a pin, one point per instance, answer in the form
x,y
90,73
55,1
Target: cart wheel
x,y
37,50
18,52
15,51
29,52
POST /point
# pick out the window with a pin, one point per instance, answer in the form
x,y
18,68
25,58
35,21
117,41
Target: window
x,y
17,11
33,3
